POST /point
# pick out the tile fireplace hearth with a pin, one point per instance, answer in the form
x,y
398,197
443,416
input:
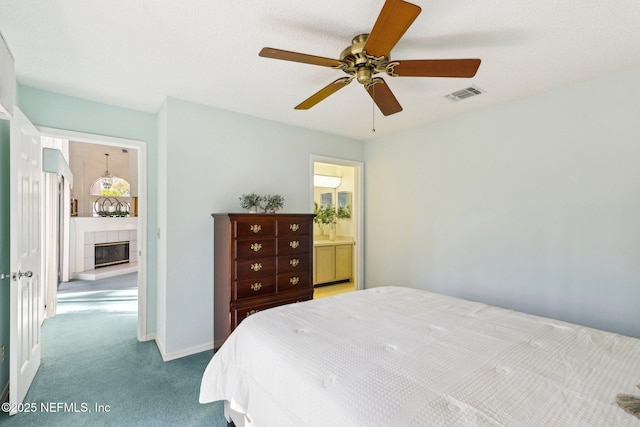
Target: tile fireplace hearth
x,y
86,233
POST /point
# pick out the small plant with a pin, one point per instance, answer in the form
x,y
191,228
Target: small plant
x,y
273,202
247,201
325,215
344,212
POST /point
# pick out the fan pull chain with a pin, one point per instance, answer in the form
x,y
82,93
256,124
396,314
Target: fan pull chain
x,y
373,109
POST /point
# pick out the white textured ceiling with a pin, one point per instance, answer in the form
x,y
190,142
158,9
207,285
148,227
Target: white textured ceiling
x,y
134,53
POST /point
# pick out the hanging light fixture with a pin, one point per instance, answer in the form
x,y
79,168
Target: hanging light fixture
x,y
107,179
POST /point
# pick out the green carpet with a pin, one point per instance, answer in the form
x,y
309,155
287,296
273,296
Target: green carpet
x,y
124,281
91,360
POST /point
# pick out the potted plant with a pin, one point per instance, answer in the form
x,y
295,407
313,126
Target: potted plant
x,y
326,215
273,203
250,201
344,212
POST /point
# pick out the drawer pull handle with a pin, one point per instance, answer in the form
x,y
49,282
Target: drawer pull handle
x,y
256,266
294,244
294,280
249,313
256,228
256,246
294,227
256,286
294,262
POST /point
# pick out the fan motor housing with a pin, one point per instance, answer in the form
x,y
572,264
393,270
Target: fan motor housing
x,y
357,62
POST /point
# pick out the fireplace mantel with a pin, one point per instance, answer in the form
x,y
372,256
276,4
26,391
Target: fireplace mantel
x,y
82,227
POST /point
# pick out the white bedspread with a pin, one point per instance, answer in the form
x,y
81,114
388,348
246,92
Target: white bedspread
x,y
396,356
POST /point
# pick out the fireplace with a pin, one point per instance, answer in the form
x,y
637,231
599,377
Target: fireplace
x,y
112,253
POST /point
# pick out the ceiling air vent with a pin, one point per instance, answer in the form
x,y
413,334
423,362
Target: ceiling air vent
x,y
465,93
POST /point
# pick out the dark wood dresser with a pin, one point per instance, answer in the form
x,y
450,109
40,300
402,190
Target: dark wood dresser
x,y
260,261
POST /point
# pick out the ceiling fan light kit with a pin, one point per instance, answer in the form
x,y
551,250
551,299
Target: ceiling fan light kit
x,y
369,54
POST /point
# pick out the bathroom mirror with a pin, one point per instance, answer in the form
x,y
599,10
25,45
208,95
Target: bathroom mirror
x,y
344,198
326,199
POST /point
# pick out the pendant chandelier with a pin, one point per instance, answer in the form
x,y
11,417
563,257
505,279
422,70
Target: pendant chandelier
x,y
107,179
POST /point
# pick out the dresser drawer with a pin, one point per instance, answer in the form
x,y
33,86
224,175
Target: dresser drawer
x,y
293,263
294,245
293,281
255,268
258,227
239,313
254,287
294,227
255,248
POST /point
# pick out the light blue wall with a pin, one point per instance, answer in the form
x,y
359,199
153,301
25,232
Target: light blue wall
x,y
63,112
212,157
5,257
531,205
80,115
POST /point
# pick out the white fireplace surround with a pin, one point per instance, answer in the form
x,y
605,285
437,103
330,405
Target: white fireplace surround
x,y
85,232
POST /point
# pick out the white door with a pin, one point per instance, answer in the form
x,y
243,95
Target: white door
x,y
25,295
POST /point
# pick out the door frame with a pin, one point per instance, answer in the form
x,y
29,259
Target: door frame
x,y
141,146
358,190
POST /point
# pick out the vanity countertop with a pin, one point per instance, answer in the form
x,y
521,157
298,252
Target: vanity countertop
x,y
324,241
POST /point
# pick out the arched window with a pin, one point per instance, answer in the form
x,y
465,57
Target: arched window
x,y
120,187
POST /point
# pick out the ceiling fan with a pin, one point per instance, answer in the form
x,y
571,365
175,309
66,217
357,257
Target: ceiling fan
x,y
369,54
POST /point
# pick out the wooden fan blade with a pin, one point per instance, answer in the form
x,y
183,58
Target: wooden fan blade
x,y
383,97
394,20
269,52
323,93
434,68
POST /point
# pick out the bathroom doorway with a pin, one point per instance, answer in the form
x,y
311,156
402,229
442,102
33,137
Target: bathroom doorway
x,y
337,237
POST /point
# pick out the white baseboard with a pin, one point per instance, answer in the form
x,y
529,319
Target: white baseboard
x,y
160,348
183,353
146,338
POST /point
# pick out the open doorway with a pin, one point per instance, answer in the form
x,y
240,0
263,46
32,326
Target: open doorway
x,y
103,230
120,221
337,203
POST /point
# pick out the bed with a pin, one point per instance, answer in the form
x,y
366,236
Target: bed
x,y
394,356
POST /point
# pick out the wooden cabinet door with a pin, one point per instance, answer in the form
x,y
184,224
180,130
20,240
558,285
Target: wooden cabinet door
x,y
344,262
325,266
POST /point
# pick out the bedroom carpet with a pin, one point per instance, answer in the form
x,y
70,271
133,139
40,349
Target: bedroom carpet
x,y
94,372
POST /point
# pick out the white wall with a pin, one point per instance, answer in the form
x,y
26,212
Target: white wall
x,y
207,158
532,205
161,285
